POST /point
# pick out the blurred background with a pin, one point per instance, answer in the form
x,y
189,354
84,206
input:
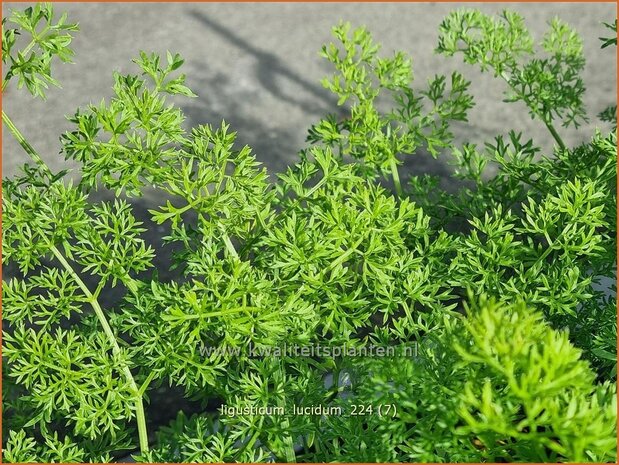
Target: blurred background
x,y
256,65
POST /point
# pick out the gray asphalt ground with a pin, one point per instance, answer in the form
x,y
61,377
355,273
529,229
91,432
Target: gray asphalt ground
x,y
257,66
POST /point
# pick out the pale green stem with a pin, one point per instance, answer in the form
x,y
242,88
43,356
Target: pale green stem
x,y
31,44
199,316
291,456
139,406
318,185
24,143
224,234
228,242
548,124
252,440
147,382
396,177
342,258
555,134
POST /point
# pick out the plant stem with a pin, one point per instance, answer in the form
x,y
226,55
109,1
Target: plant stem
x,y
291,456
228,242
396,176
342,258
24,143
555,134
147,382
139,406
199,316
33,42
548,124
318,185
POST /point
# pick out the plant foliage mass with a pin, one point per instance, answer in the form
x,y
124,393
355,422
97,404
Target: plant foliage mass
x,y
500,284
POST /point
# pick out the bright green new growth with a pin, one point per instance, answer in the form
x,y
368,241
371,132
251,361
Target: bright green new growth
x,y
549,84
32,64
325,256
367,134
521,361
485,389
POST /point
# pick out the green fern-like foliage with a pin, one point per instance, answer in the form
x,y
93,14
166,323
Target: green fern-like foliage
x,y
499,285
548,83
499,385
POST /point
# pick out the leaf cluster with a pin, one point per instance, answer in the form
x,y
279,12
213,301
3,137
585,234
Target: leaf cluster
x,y
549,83
31,39
378,139
498,385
